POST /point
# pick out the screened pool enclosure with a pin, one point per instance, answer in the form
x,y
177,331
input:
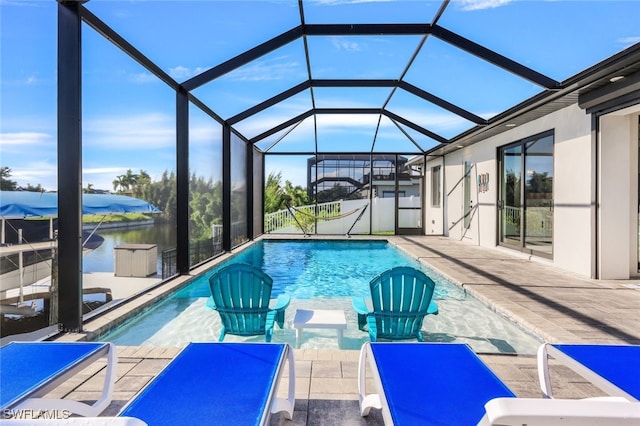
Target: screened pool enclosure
x,y
340,104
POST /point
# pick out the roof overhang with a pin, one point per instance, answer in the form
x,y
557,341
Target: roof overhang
x,y
590,88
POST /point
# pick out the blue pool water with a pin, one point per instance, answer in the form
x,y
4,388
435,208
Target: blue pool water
x,y
321,269
323,275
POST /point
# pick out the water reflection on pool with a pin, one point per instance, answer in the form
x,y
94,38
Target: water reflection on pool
x,y
324,275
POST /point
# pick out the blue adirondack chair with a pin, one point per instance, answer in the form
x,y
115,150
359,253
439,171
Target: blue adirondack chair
x,y
401,298
241,293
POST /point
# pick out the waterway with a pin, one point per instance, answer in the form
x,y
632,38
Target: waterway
x,y
102,258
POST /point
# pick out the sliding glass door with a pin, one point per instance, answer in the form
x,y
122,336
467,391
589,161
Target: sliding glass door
x,y
510,196
526,195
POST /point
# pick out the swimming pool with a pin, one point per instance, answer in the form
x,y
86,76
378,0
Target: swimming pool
x,y
324,275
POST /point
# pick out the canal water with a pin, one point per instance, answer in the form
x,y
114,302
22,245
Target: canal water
x,y
102,259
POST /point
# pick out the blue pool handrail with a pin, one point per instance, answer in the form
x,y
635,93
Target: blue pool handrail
x,y
401,298
241,293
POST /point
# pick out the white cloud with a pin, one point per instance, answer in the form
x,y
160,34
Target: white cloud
x,y
39,172
183,73
436,122
469,5
102,177
356,124
339,2
276,68
20,3
292,169
112,171
272,117
357,98
121,132
24,138
629,41
204,135
341,43
338,122
29,80
143,77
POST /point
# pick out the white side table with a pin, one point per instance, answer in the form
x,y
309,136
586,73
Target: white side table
x,y
319,318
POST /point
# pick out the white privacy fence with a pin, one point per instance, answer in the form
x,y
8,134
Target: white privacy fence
x,y
344,216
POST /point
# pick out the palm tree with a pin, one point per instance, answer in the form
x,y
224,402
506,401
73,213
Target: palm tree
x,y
141,181
277,197
7,184
296,195
273,193
119,182
88,189
130,180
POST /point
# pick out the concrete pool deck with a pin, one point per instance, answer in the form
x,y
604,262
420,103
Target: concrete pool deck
x,y
556,305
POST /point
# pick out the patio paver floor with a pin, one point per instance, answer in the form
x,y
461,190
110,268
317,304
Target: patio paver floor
x,y
556,305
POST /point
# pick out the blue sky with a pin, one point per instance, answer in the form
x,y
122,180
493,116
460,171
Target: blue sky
x,y
128,114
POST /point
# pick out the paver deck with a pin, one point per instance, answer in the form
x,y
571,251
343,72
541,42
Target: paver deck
x,y
556,305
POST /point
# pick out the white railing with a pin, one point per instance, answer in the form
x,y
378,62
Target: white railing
x,y
281,219
539,221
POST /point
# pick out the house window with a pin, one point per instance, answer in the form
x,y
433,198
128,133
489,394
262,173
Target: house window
x,y
525,204
391,194
436,195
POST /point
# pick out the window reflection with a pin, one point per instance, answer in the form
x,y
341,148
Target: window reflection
x,y
538,191
205,187
526,195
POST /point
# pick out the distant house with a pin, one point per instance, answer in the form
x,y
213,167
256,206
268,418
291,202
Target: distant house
x,y
356,176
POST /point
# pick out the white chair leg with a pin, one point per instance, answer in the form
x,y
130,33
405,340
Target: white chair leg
x,y
287,405
366,401
543,371
76,407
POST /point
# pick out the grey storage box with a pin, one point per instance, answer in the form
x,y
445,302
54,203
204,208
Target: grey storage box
x,y
136,260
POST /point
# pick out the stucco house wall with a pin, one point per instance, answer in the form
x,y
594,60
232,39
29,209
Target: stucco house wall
x,y
573,189
617,222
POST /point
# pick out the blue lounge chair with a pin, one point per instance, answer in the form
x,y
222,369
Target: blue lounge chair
x,y
447,384
427,383
218,384
401,298
615,369
30,370
241,294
